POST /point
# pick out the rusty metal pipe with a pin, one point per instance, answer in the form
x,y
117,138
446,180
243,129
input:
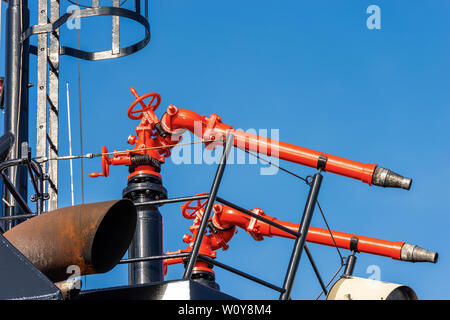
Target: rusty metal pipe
x,y
92,236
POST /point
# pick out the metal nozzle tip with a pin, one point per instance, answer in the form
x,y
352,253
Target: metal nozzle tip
x,y
388,179
404,183
436,257
415,253
408,183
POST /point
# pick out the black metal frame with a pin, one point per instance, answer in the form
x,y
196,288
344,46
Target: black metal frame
x,y
93,12
212,197
16,96
37,179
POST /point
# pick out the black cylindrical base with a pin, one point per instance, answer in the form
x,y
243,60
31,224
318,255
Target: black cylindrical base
x,y
206,278
350,265
147,239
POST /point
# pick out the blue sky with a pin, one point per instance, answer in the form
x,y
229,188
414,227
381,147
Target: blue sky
x,y
311,69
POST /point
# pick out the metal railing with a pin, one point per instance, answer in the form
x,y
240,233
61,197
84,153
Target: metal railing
x,y
192,256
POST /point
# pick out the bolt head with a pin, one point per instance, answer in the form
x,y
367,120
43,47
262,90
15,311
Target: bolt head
x,y
131,139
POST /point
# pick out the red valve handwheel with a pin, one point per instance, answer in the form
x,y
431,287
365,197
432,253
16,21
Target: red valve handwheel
x,y
185,208
145,107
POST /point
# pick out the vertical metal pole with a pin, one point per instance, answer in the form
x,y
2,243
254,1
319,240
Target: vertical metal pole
x,y
0,21
116,30
146,9
16,97
137,6
40,186
211,199
70,145
41,107
300,241
350,265
24,114
81,120
316,270
53,99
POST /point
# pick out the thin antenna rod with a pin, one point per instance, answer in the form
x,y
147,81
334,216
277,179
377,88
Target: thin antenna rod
x,y
80,115
70,142
0,22
81,127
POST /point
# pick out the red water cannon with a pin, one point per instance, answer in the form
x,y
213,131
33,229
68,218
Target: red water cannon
x,y
222,227
176,121
155,138
215,239
152,144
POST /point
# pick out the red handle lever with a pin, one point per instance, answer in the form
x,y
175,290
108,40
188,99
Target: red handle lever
x,y
105,165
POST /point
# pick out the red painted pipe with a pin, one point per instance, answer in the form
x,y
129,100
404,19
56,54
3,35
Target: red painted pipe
x,y
365,244
225,216
177,120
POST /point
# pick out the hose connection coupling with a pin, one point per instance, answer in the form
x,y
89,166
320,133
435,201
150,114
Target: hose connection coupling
x,y
389,179
413,253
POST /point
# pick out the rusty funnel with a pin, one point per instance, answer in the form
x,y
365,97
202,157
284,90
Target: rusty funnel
x,y
92,236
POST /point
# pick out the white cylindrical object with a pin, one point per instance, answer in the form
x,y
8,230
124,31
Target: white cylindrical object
x,y
353,288
70,143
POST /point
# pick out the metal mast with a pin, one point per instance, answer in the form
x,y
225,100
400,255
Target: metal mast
x,y
16,98
48,52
